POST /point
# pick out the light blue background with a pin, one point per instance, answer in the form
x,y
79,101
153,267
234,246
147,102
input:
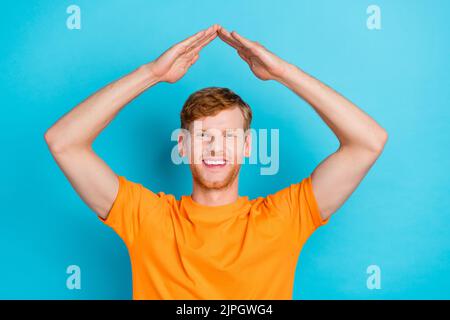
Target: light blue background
x,y
397,219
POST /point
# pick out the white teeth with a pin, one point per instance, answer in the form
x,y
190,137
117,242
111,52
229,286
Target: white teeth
x,y
214,162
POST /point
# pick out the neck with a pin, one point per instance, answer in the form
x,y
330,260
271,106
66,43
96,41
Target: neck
x,y
215,197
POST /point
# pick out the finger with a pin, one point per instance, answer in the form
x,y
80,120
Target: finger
x,y
185,45
227,41
226,37
204,41
244,41
194,59
208,33
192,39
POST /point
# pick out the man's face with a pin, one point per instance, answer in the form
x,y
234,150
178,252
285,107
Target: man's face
x,y
216,148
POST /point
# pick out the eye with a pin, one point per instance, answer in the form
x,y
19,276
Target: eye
x,y
203,135
230,135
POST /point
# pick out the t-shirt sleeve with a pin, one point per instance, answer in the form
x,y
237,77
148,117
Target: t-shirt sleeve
x,y
299,206
130,207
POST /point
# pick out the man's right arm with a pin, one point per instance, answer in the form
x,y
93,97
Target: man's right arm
x,y
70,138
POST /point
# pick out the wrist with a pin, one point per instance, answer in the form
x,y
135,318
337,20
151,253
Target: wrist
x,y
289,74
148,74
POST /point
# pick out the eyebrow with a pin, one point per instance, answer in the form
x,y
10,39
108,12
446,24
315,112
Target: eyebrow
x,y
228,129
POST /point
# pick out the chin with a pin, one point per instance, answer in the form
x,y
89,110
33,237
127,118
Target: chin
x,y
206,180
216,185
211,183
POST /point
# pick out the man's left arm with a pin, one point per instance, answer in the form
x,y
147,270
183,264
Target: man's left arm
x,y
361,138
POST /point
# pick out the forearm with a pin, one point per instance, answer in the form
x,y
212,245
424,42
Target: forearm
x,y
350,124
79,127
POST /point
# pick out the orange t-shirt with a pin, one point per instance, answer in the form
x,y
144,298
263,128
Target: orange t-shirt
x,y
180,249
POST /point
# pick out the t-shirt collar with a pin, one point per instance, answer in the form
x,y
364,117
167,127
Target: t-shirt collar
x,y
206,213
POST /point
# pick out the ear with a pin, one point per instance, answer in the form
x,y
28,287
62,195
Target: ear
x,y
181,144
248,144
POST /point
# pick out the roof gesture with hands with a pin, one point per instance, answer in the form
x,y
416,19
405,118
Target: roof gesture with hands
x,y
174,62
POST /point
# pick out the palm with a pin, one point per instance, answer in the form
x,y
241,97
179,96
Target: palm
x,y
265,66
263,63
172,65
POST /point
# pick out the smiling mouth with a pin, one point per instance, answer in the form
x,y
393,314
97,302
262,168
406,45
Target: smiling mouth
x,y
213,164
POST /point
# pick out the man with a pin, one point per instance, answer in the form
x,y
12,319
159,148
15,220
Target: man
x,y
215,244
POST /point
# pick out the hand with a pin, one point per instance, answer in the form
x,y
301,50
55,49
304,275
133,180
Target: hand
x,y
263,63
172,65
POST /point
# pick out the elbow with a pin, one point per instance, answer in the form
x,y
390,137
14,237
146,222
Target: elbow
x,y
58,145
372,144
382,139
49,140
379,141
54,144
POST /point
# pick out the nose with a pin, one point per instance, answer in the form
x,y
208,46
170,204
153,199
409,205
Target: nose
x,y
215,147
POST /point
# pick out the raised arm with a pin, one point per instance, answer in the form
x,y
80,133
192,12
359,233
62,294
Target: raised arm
x,y
361,138
70,138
